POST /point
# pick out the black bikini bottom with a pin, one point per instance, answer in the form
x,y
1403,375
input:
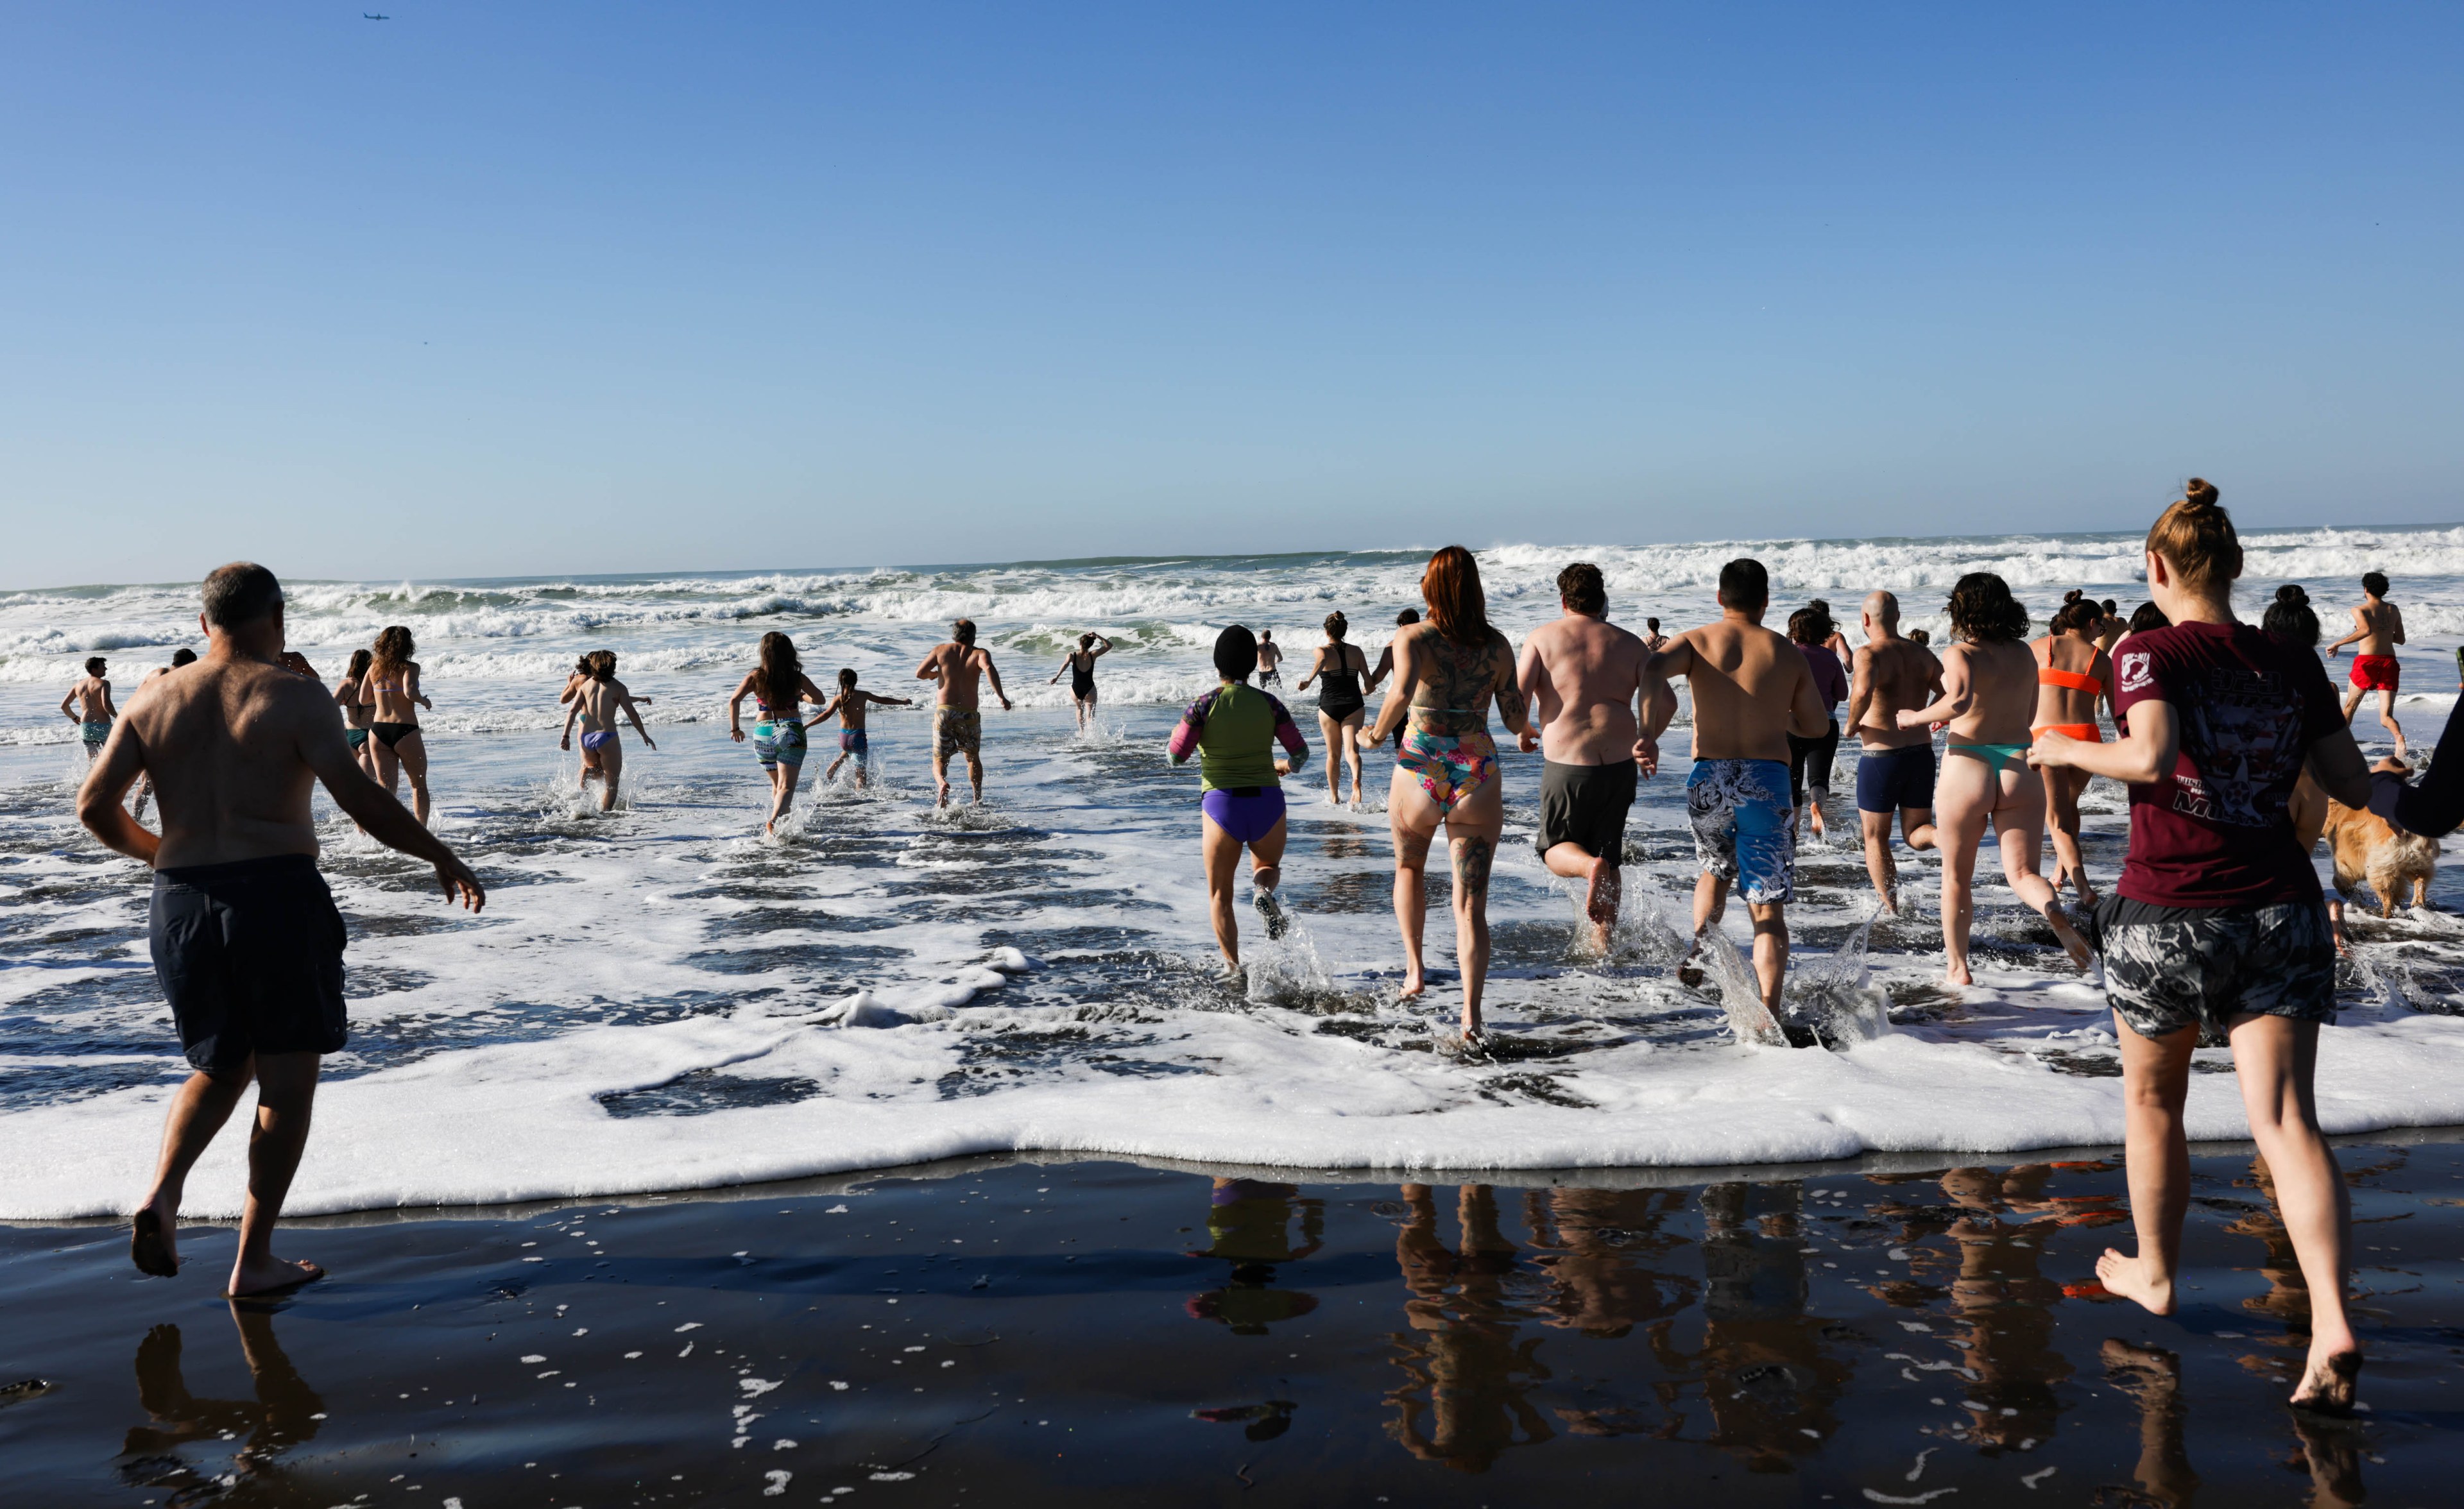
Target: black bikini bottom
x,y
390,735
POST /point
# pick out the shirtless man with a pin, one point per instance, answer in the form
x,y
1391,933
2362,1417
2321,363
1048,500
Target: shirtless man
x,y
2378,628
1895,766
853,743
1269,656
597,703
958,723
246,940
1582,674
1752,690
88,706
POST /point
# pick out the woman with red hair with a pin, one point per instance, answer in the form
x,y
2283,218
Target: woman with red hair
x,y
1446,672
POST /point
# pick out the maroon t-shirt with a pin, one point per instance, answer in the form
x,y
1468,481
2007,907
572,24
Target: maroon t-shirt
x,y
2217,831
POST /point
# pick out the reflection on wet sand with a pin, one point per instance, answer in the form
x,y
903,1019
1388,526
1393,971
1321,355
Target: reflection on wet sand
x,y
284,1414
1468,1373
1767,1376
1251,1221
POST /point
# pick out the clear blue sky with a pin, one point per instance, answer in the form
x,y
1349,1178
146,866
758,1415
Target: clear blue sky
x,y
492,289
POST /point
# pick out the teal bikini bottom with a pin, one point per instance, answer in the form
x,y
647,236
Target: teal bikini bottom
x,y
2000,757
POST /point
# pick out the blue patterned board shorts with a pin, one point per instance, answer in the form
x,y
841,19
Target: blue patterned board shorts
x,y
2167,967
1743,822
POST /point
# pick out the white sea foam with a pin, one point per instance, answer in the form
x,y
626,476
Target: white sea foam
x,y
658,997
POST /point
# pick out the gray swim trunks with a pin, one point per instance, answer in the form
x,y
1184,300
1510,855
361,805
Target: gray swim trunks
x,y
2167,967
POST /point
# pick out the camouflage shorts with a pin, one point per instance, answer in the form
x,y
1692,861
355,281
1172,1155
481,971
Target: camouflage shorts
x,y
2167,967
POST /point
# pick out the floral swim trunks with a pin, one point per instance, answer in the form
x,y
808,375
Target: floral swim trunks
x,y
958,730
1741,818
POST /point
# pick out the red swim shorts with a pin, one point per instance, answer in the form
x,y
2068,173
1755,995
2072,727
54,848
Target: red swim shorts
x,y
2375,673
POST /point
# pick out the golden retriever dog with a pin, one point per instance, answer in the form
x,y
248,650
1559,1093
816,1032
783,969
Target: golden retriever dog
x,y
2368,851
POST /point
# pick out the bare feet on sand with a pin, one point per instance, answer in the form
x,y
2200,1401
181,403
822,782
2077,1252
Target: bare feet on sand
x,y
151,1243
2329,1380
266,1276
2129,1279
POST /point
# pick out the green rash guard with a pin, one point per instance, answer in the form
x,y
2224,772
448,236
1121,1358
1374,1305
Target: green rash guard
x,y
1233,731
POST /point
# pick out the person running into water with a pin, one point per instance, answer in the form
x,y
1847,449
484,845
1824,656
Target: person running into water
x,y
357,708
1580,674
1270,657
597,707
1234,730
2071,677
957,722
1341,706
1895,770
1386,667
1653,640
392,684
848,706
1751,690
88,706
247,943
778,688
2378,628
1079,665
183,656
1988,694
1809,761
1446,670
2216,921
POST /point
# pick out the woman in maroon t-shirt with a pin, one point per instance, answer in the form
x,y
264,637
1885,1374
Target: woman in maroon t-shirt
x,y
2218,922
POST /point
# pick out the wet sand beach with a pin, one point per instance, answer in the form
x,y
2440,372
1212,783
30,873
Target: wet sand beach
x,y
1022,1331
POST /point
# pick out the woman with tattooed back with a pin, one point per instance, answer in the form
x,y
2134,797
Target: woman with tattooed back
x,y
1446,672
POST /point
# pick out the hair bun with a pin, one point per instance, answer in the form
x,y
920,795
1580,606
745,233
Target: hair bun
x,y
2293,594
2072,596
2199,493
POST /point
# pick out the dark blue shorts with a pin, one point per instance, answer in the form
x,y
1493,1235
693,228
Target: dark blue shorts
x,y
1890,780
250,955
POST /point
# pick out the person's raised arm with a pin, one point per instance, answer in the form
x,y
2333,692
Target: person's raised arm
x,y
572,688
1514,707
1103,647
106,784
1398,697
374,808
887,702
735,706
2147,754
2361,631
1957,694
1861,687
829,710
992,674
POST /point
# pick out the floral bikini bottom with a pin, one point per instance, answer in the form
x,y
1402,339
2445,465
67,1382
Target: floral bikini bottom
x,y
1449,766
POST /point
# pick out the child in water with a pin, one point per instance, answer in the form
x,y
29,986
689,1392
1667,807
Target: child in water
x,y
848,706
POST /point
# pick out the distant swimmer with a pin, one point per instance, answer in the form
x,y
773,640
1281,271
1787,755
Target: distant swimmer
x,y
359,709
1895,770
2073,676
1924,637
1342,705
1751,690
1581,676
183,656
1079,665
1653,640
1386,667
391,682
1270,656
1989,694
2216,921
958,721
247,943
1812,631
2378,628
1446,673
597,707
1233,731
88,706
778,688
849,707
2110,626
575,680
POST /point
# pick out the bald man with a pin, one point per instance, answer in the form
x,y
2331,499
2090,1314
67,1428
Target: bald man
x,y
1894,766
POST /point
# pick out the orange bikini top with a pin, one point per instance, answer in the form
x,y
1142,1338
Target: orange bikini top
x,y
2075,681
